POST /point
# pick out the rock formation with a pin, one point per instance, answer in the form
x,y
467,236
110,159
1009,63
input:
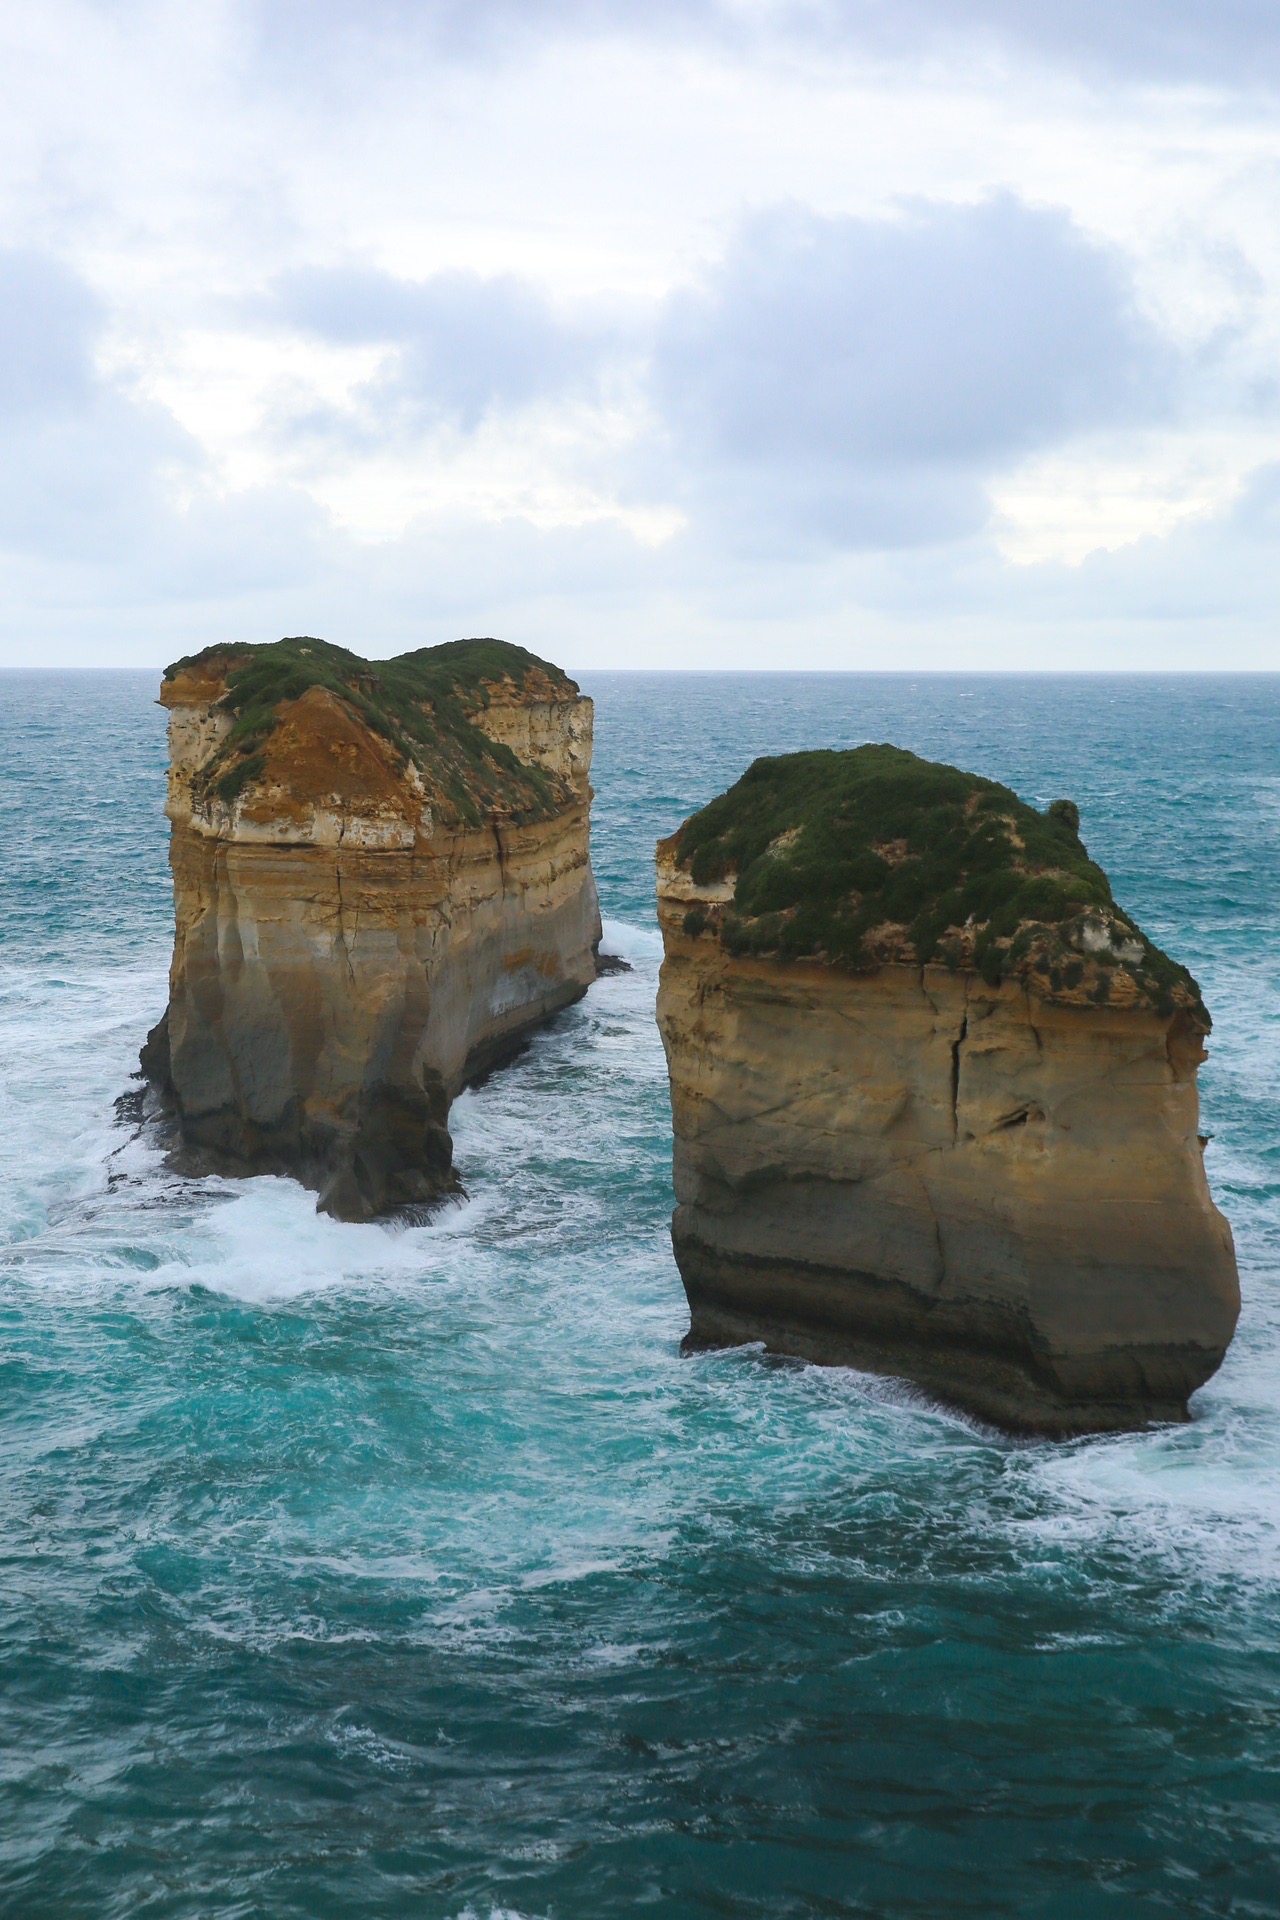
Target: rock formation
x,y
935,1098
382,882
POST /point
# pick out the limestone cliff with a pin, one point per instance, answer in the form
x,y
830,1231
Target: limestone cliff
x,y
382,881
935,1098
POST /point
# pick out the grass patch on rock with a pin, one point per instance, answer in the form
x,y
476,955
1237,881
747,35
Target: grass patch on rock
x,y
422,702
872,856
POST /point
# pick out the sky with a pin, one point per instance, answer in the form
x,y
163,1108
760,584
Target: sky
x,y
888,334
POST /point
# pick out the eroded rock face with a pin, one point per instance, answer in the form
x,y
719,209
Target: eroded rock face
x,y
991,1186
374,903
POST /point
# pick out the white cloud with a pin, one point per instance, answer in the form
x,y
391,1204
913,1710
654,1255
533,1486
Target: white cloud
x,y
1108,492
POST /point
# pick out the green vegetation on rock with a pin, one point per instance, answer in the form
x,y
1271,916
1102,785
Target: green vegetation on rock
x,y
874,855
421,702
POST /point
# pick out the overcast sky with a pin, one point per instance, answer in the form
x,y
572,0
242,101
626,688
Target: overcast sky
x,y
676,333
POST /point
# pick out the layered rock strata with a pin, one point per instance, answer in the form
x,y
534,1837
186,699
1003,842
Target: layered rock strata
x,y
934,1098
382,882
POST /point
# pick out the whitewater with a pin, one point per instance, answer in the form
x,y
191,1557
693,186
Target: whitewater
x,y
411,1571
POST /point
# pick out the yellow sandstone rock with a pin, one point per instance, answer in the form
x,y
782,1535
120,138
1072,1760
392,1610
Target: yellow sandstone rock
x,y
991,1186
382,881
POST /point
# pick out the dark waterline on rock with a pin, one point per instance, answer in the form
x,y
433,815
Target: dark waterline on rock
x,y
358,1571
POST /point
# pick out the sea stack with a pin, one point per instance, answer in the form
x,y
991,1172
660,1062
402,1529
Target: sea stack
x,y
382,882
935,1098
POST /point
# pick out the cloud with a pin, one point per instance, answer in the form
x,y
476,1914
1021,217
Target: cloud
x,y
828,380
49,321
1196,42
864,377
86,465
1199,42
489,30
463,345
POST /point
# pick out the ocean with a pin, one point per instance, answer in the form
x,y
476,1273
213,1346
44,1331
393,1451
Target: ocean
x,y
411,1571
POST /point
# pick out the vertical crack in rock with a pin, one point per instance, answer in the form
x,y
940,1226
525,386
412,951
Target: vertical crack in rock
x,y
942,1251
342,924
956,1045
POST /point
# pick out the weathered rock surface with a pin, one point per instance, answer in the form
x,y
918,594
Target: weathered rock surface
x,y
965,1151
382,882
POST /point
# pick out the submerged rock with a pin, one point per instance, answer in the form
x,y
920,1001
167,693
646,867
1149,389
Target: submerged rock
x,y
382,882
934,1097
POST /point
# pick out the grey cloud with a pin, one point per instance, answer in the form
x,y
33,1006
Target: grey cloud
x,y
465,345
955,333
1236,42
490,30
1195,41
83,472
1256,512
784,512
49,321
885,368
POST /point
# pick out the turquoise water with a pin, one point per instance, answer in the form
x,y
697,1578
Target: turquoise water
x,y
355,1571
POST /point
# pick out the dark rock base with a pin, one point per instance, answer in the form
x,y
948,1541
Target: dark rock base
x,y
392,1154
980,1356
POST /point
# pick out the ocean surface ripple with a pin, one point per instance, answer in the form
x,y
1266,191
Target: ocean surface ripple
x,y
385,1571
